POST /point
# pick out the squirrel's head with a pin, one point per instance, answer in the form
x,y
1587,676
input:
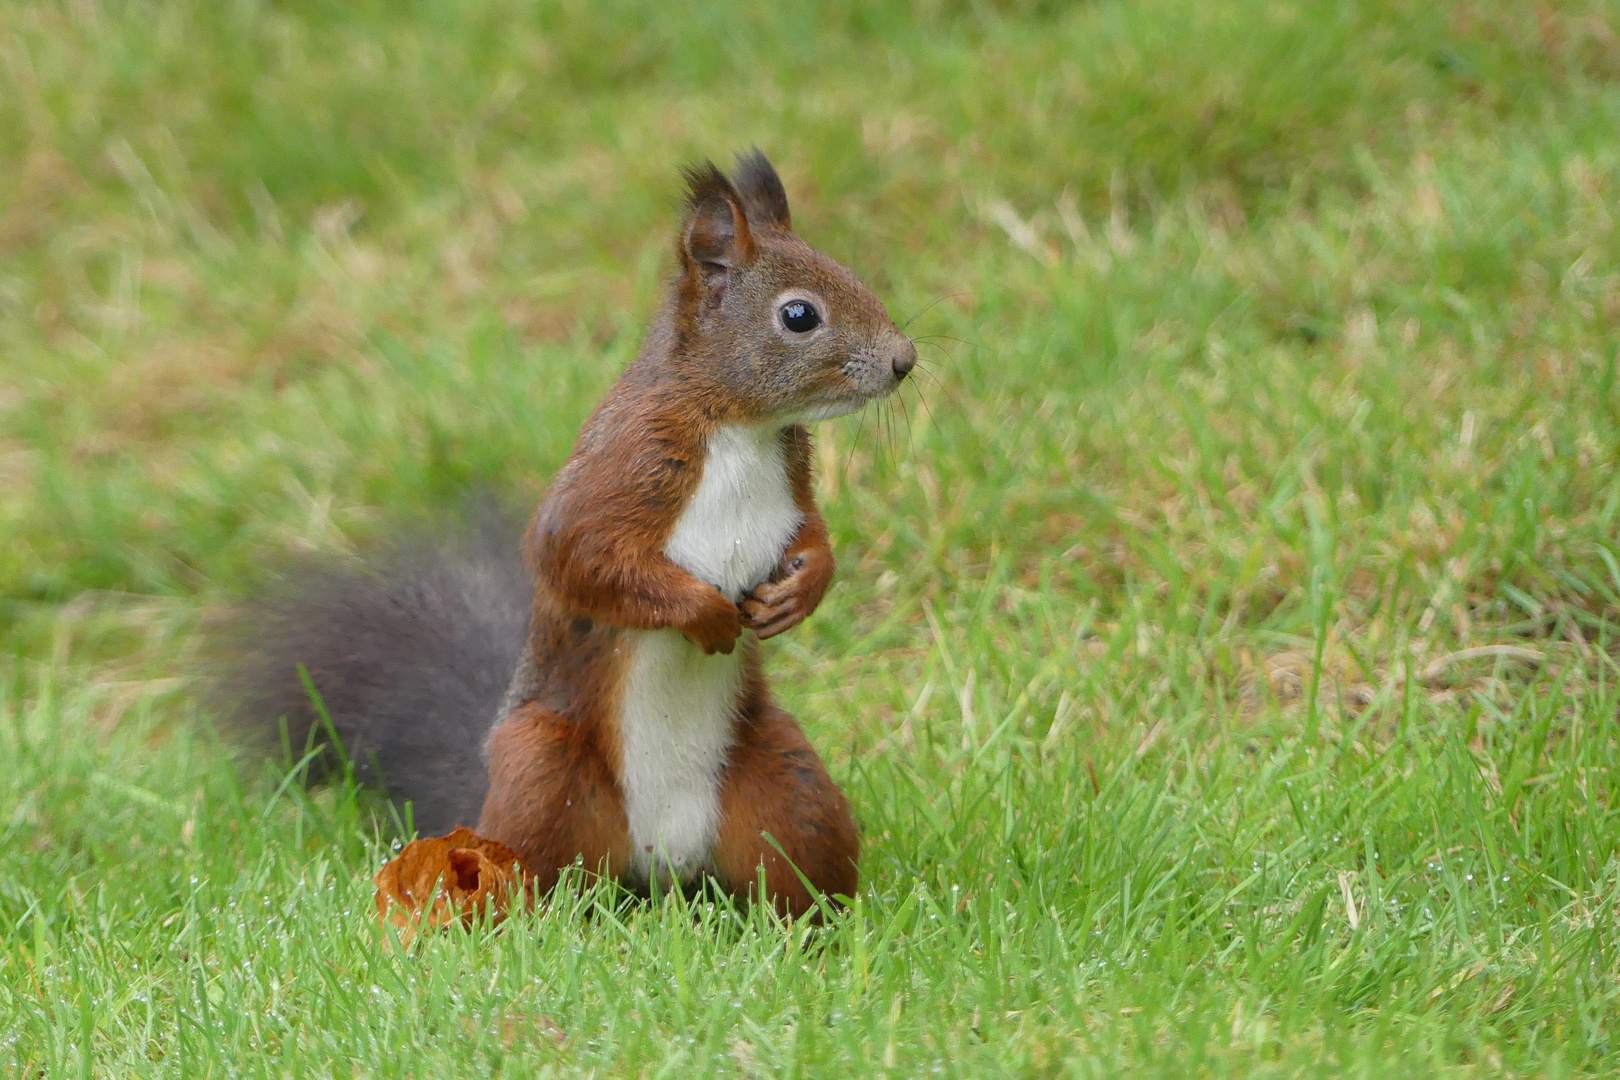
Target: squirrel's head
x,y
788,331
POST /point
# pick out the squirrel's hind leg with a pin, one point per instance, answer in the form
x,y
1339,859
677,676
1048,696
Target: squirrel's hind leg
x,y
552,797
775,785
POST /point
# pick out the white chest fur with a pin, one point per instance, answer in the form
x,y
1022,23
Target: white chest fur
x,y
741,517
679,705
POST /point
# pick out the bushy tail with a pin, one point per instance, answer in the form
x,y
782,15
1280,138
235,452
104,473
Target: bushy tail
x,y
410,653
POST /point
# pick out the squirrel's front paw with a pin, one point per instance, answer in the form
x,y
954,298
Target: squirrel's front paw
x,y
779,606
716,627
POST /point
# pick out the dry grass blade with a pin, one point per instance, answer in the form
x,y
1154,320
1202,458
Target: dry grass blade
x,y
1440,664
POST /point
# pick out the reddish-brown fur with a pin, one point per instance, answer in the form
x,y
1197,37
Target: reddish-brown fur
x,y
597,549
776,788
552,792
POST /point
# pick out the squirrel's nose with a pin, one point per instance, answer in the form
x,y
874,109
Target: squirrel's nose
x,y
905,360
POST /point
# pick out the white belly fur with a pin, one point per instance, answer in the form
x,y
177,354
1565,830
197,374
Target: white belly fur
x,y
675,726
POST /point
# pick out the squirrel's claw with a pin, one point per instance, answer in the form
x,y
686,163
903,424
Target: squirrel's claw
x,y
716,629
778,606
773,609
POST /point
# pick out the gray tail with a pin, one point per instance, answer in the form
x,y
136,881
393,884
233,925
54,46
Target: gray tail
x,y
410,654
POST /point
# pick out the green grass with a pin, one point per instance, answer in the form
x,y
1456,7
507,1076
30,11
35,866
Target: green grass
x,y
1225,660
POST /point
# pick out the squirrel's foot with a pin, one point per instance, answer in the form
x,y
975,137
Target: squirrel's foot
x,y
716,627
778,606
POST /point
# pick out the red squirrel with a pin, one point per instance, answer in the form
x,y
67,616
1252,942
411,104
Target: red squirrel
x,y
636,736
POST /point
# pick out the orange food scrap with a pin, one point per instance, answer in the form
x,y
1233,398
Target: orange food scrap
x,y
445,879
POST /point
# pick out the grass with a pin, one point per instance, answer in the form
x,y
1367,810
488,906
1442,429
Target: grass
x,y
1223,663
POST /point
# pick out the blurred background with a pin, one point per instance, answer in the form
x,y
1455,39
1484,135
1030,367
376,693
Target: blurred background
x,y
1224,296
1266,442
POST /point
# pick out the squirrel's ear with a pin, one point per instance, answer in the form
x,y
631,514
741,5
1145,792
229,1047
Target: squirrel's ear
x,y
761,189
716,238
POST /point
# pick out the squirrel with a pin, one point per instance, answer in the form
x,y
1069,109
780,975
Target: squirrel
x,y
600,700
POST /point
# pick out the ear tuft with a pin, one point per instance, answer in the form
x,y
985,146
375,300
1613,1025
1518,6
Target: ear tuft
x,y
716,237
705,182
763,196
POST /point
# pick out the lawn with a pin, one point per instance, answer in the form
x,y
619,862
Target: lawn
x,y
1224,663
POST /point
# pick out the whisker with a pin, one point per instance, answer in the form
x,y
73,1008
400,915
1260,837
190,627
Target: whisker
x,y
849,459
902,449
929,409
930,307
886,430
939,385
922,399
931,338
900,399
926,368
943,351
877,433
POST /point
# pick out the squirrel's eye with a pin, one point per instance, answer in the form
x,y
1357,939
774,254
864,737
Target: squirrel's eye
x,y
800,317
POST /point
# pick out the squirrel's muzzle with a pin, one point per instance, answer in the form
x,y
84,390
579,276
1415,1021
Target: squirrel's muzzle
x,y
905,358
